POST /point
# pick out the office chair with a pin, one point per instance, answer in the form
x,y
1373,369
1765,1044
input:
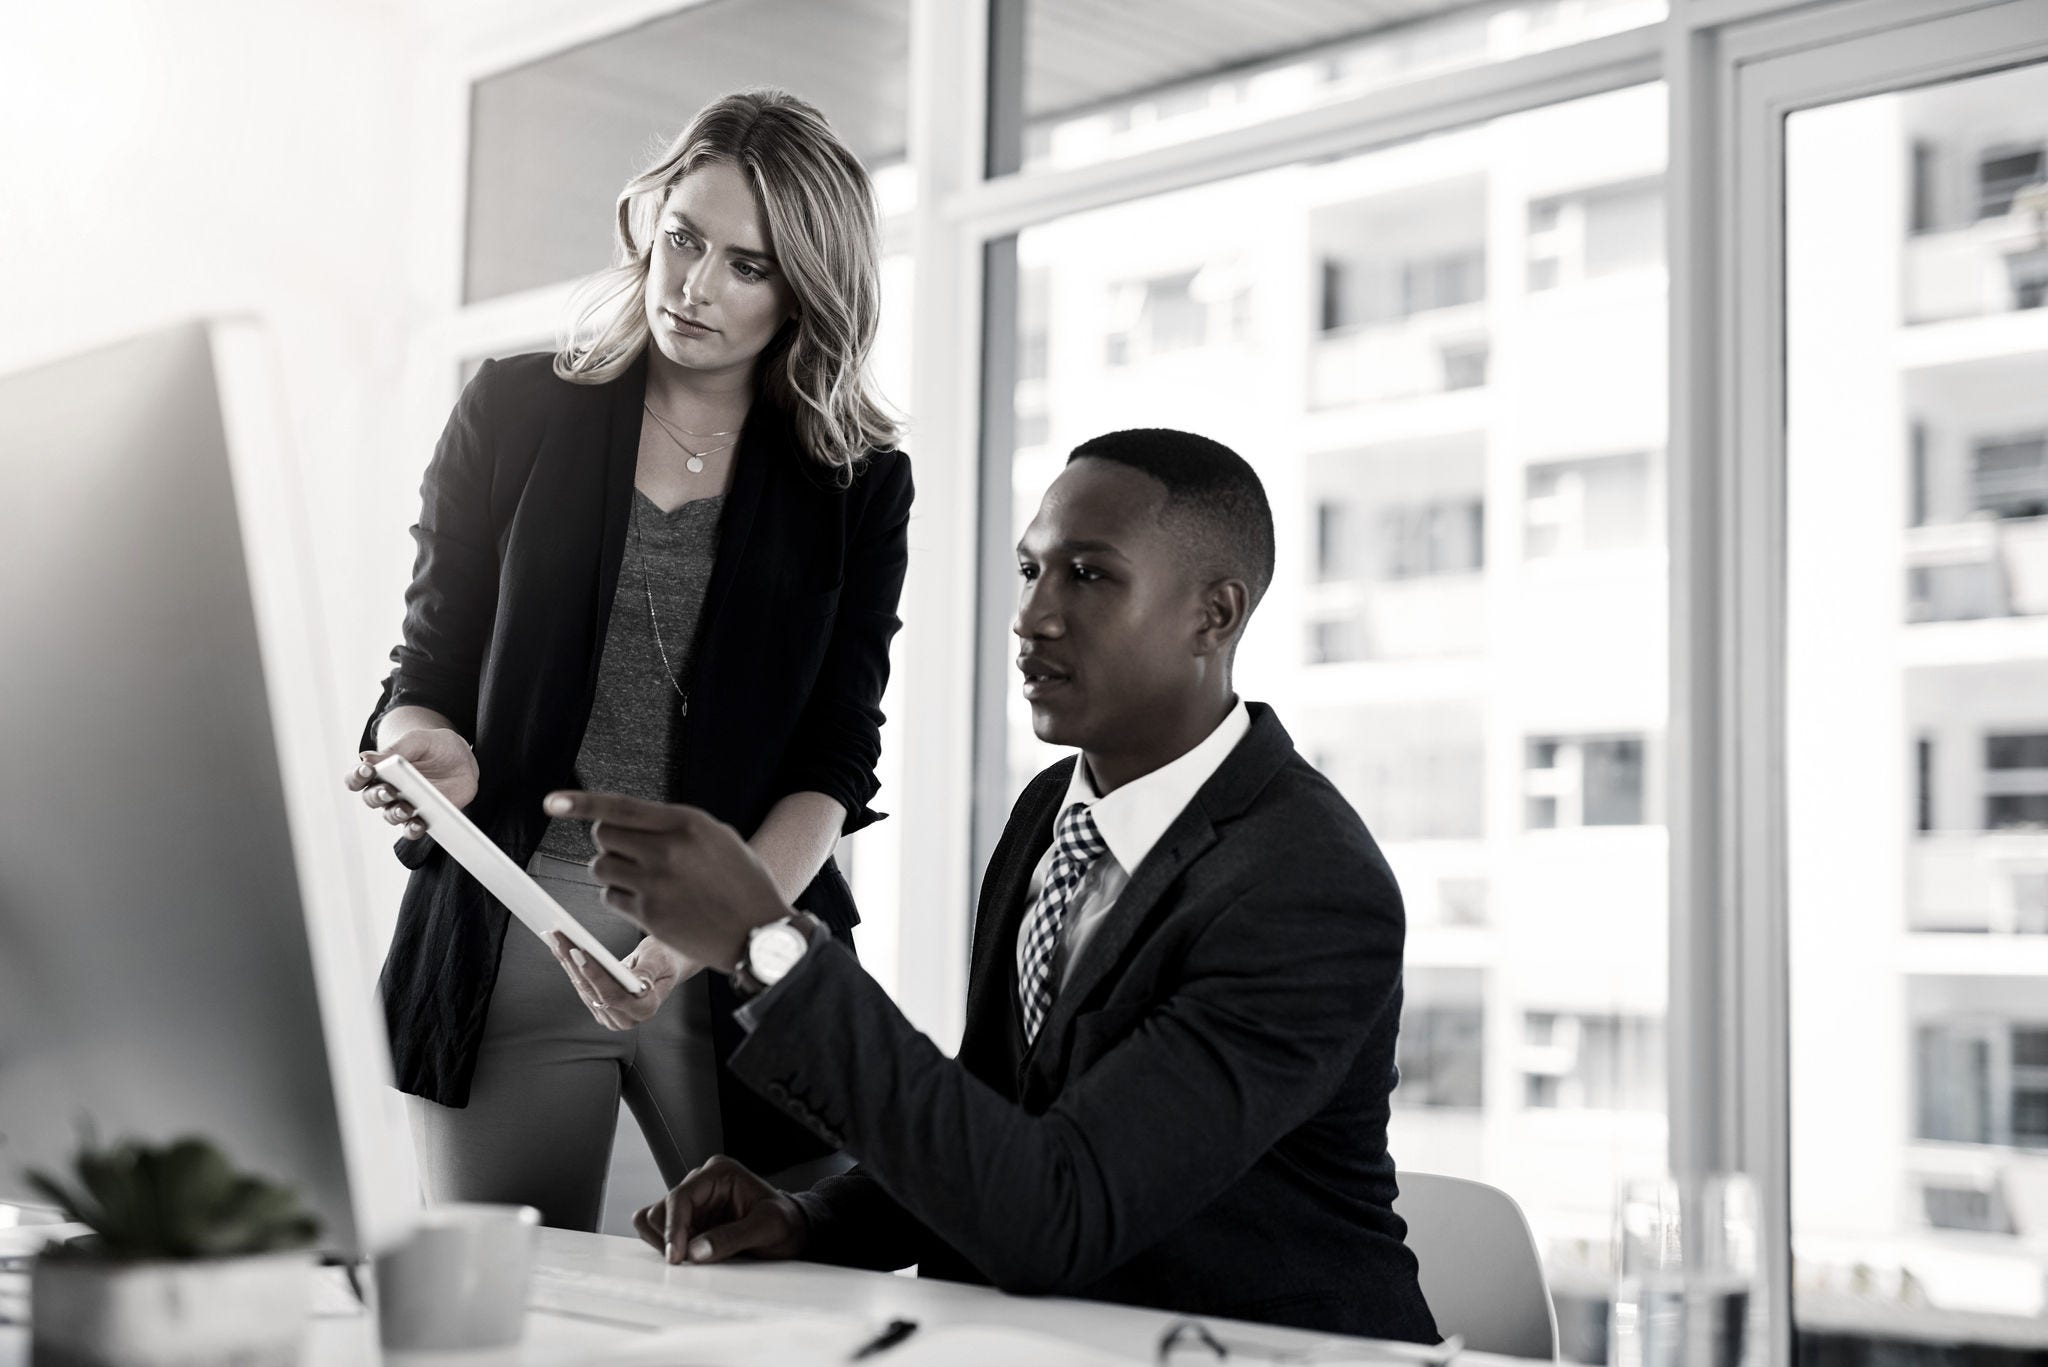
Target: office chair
x,y
1478,1265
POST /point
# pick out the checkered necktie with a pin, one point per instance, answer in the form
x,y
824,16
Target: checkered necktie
x,y
1076,845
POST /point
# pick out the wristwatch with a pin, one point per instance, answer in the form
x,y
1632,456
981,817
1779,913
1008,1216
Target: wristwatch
x,y
772,950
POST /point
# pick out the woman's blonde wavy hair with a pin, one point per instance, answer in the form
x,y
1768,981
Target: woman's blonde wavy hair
x,y
821,212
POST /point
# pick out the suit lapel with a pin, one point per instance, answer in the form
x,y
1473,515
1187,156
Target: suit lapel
x,y
1184,841
991,983
1244,773
622,460
764,440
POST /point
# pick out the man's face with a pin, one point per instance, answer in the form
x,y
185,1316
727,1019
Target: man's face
x,y
1108,614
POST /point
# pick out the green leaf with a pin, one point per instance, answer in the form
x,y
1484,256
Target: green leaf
x,y
178,1200
67,1199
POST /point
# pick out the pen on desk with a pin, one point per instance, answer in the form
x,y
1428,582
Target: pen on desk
x,y
893,1334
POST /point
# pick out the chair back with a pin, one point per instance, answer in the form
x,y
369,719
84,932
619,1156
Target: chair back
x,y
1478,1265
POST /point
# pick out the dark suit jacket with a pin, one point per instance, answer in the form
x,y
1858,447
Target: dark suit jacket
x,y
522,529
1201,1124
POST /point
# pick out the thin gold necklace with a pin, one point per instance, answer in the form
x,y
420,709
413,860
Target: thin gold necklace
x,y
647,587
695,463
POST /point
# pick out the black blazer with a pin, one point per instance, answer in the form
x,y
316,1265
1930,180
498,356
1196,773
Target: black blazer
x,y
522,529
1201,1124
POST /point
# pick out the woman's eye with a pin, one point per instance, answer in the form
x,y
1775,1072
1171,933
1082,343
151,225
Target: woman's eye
x,y
747,272
678,238
1027,572
1087,574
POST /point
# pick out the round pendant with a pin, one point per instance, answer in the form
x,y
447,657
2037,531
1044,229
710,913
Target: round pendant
x,y
696,465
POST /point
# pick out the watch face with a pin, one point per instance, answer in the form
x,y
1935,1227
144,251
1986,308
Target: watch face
x,y
772,950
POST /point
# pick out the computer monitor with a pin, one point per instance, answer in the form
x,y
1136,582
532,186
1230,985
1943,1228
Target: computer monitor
x,y
182,949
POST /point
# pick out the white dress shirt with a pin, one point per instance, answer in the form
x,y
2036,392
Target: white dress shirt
x,y
1131,820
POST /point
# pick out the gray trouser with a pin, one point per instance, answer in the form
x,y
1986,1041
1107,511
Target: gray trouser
x,y
544,1100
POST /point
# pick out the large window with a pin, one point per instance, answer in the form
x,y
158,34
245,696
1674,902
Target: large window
x,y
1427,430
551,142
1104,80
1916,717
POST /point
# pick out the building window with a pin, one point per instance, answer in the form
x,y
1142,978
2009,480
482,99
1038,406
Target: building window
x,y
1155,317
1597,503
1414,778
1333,543
2009,474
1446,536
2027,273
1465,364
2001,175
1917,474
1949,1204
1925,162
1574,1061
1335,641
2030,1086
1923,784
2016,781
1588,234
1332,292
1357,292
1583,781
1172,313
2030,903
1983,1082
1440,1053
1967,592
1953,1061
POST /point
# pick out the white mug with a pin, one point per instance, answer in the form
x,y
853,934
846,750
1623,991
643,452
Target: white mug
x,y
459,1280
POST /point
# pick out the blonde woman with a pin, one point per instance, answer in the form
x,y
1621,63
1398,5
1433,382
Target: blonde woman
x,y
663,561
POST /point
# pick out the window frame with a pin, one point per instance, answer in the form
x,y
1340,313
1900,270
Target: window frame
x,y
1730,905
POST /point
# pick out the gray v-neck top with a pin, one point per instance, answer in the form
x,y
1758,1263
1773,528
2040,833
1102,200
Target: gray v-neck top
x,y
630,744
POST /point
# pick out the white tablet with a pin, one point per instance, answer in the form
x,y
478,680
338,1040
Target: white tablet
x,y
492,867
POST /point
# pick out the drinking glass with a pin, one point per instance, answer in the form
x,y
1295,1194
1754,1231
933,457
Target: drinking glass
x,y
1685,1255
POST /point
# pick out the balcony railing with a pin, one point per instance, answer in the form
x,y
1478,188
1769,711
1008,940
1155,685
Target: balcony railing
x,y
1431,617
1436,352
1987,567
1996,266
1988,882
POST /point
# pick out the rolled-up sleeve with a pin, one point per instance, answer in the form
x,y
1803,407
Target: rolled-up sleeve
x,y
838,741
452,599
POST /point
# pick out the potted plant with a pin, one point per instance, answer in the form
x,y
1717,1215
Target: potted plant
x,y
189,1261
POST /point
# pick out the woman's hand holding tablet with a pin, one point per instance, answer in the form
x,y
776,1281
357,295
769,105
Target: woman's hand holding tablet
x,y
495,869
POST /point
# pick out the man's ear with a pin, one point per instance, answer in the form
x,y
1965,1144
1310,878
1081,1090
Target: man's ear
x,y
1226,603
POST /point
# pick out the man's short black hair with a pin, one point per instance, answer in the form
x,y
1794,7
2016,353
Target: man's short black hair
x,y
1213,496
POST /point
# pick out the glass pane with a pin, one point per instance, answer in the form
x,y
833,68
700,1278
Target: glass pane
x,y
1917,719
552,142
1363,331
1103,81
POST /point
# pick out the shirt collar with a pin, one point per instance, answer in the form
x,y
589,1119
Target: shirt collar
x,y
1132,818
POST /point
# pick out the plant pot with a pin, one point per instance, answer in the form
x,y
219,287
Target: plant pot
x,y
207,1312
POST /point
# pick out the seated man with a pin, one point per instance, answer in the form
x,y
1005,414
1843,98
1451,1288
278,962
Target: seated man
x,y
1172,1090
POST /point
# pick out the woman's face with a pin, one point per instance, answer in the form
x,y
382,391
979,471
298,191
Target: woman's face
x,y
715,295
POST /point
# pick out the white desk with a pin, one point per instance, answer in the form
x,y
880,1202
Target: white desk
x,y
557,1340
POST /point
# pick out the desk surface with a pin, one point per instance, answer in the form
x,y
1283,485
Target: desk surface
x,y
557,1339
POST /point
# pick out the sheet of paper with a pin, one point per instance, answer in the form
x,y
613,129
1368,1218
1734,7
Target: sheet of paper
x,y
806,1341
986,1345
815,1342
